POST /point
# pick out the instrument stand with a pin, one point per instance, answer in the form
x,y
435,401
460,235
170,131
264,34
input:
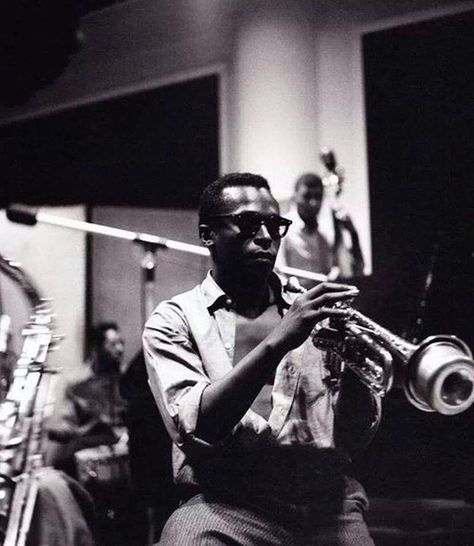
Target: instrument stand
x,y
148,303
148,278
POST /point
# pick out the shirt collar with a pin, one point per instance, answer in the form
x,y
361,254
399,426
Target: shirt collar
x,y
214,296
211,291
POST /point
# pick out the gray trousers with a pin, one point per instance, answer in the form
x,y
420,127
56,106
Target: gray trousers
x,y
205,521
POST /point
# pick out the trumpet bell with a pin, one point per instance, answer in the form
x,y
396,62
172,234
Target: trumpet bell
x,y
440,376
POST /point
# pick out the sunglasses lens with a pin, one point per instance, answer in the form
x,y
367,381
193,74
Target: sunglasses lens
x,y
273,226
249,225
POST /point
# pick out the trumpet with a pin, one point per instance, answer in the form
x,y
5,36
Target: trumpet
x,y
437,375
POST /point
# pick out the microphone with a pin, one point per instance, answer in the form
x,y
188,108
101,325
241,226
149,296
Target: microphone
x,y
22,215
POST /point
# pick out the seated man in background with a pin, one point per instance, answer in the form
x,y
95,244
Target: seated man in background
x,y
90,440
307,248
261,420
92,411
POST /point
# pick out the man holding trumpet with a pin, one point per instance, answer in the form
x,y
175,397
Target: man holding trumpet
x,y
262,421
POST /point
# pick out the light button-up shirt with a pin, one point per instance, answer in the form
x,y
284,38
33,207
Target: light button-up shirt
x,y
189,343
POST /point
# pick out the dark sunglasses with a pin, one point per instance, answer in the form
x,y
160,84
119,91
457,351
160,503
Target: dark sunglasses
x,y
249,223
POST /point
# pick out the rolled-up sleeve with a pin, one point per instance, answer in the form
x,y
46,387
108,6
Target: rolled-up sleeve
x,y
175,372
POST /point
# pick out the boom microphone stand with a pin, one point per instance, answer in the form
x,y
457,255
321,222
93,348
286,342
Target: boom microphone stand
x,y
150,243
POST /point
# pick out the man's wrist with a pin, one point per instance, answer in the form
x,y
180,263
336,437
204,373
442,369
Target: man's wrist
x,y
275,348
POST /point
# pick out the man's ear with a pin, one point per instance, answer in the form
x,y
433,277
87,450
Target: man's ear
x,y
206,235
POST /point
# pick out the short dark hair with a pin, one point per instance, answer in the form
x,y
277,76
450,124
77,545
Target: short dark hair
x,y
97,333
311,180
211,198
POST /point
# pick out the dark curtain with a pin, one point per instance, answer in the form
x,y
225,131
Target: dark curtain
x,y
419,95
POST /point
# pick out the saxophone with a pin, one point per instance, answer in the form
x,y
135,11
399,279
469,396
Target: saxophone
x,y
22,412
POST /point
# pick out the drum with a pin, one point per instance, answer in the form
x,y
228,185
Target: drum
x,y
104,464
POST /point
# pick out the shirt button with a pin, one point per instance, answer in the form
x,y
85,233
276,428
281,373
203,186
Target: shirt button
x,y
282,411
228,302
228,346
291,370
